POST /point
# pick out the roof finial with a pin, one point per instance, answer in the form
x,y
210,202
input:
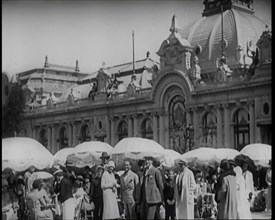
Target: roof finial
x,y
174,26
46,62
76,66
147,54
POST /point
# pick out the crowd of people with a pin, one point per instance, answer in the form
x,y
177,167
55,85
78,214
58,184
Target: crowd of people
x,y
147,191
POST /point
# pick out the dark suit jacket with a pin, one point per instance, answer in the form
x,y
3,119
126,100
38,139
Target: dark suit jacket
x,y
96,193
66,190
153,186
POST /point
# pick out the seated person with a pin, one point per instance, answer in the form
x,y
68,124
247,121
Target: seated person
x,y
36,201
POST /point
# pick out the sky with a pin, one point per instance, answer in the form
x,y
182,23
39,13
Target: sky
x,y
92,32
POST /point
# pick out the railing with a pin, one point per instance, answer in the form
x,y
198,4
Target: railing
x,y
100,98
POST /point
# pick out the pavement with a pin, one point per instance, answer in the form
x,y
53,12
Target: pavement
x,y
261,215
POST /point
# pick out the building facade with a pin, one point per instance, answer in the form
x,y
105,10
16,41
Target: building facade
x,y
211,88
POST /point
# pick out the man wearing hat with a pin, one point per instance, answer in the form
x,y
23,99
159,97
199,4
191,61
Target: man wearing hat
x,y
104,160
184,192
96,193
151,190
65,195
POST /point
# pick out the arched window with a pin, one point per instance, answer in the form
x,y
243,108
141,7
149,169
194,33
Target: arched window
x,y
63,138
43,137
85,134
122,130
241,129
209,129
146,129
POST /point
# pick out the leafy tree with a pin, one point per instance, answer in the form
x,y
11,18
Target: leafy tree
x,y
12,111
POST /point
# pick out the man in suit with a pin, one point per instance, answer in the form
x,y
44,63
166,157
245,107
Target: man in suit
x,y
104,160
151,190
129,181
65,195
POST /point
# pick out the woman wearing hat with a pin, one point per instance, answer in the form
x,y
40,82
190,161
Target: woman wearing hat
x,y
109,186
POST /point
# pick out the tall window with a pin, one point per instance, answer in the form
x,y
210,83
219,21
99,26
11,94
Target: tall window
x,y
85,134
210,129
43,139
146,129
122,130
63,138
241,129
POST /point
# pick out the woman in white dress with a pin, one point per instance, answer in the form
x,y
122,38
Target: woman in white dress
x,y
243,211
109,186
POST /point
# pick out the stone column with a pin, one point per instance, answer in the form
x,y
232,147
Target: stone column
x,y
196,125
226,120
136,128
70,134
219,126
53,140
34,133
252,121
113,132
155,127
161,128
166,130
49,138
75,141
130,125
108,130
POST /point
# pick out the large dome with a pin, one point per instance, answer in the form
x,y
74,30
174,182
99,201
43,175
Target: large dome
x,y
239,27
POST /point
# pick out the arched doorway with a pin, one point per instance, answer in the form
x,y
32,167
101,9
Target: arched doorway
x,y
146,129
43,137
241,129
122,130
177,124
63,138
84,134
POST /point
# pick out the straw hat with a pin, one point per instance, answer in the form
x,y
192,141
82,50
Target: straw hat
x,y
183,161
111,164
105,155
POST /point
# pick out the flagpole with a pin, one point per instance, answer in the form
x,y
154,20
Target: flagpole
x,y
133,52
222,24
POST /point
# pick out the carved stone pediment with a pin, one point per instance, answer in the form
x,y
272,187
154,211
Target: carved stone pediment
x,y
265,44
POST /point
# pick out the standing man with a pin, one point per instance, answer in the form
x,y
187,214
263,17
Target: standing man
x,y
104,160
151,190
96,193
129,181
184,192
65,195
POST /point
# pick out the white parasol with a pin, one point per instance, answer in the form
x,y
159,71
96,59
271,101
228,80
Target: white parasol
x,y
225,153
171,156
136,148
259,153
202,155
88,153
42,175
19,153
61,155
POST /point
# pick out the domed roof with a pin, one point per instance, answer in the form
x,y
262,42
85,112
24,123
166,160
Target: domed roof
x,y
239,27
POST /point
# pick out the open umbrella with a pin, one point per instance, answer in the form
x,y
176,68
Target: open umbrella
x,y
225,153
42,175
202,155
171,156
136,148
88,153
61,155
19,153
259,153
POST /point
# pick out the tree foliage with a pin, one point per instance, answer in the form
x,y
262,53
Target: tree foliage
x,y
12,111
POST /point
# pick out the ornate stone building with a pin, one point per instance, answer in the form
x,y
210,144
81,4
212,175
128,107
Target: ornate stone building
x,y
212,88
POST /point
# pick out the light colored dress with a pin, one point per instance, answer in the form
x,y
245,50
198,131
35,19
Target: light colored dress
x,y
184,194
249,186
110,206
243,209
227,195
268,180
